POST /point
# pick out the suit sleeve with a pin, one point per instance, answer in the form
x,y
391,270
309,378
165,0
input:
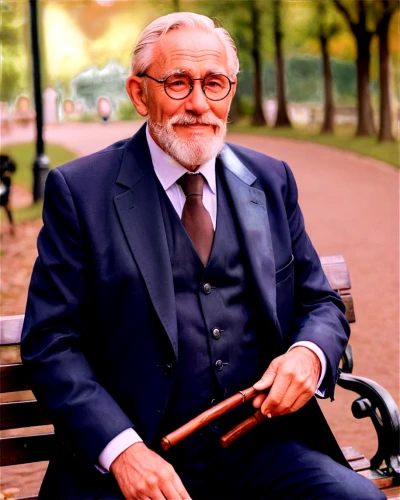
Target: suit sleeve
x,y
319,311
83,413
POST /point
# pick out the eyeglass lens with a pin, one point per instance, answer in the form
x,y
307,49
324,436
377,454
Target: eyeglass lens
x,y
215,87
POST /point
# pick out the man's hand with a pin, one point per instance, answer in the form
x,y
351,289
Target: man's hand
x,y
142,474
294,377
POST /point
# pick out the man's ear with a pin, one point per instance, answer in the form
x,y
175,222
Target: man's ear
x,y
134,87
234,86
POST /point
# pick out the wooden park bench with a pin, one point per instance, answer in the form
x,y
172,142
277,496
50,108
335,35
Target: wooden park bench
x,y
373,402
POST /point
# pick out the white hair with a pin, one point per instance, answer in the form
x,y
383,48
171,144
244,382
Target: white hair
x,y
142,55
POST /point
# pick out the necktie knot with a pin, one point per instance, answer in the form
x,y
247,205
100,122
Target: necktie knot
x,y
192,184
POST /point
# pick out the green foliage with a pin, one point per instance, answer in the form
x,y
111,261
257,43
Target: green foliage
x,y
127,111
305,21
29,213
92,84
65,45
304,80
12,50
23,214
24,155
89,118
98,34
246,106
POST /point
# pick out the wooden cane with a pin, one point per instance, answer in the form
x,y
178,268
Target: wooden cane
x,y
231,436
208,416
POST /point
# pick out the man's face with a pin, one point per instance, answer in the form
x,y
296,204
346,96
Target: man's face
x,y
191,130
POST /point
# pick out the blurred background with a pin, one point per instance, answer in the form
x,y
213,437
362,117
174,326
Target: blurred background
x,y
318,87
325,65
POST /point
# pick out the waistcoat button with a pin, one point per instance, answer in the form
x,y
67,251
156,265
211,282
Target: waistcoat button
x,y
216,333
219,365
168,369
207,288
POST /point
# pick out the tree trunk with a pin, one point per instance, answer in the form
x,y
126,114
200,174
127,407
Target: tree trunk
x,y
365,118
177,6
282,117
327,125
385,112
258,118
365,125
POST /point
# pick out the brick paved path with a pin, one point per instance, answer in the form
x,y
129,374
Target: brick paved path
x,y
351,206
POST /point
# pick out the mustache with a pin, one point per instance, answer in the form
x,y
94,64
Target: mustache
x,y
205,119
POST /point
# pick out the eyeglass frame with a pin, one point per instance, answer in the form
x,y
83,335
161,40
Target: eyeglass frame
x,y
192,85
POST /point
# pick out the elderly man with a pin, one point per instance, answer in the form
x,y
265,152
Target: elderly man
x,y
173,271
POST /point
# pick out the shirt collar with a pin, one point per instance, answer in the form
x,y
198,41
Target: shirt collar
x,y
169,170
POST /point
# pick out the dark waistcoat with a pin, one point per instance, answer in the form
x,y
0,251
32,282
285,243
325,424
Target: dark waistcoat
x,y
218,346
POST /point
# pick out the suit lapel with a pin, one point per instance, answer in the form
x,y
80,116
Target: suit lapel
x,y
251,211
140,215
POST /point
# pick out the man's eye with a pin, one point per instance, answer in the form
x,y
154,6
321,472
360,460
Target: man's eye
x,y
176,84
214,83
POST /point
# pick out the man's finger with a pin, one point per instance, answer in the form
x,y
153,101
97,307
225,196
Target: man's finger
x,y
259,400
180,489
297,394
276,395
284,405
297,404
184,495
174,491
173,488
269,376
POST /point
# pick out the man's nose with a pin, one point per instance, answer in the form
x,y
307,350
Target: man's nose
x,y
197,102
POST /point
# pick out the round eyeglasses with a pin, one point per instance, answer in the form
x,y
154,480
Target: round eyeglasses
x,y
178,86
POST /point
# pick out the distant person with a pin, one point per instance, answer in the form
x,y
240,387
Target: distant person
x,y
7,168
174,270
104,109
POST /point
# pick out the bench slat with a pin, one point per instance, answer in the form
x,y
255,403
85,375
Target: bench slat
x,y
337,272
10,329
360,465
18,414
12,378
348,302
351,454
25,449
392,492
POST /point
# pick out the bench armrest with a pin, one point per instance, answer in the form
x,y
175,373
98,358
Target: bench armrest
x,y
376,403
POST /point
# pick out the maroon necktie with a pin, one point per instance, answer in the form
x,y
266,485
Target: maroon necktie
x,y
195,217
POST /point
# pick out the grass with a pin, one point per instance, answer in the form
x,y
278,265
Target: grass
x,y
23,154
342,139
25,214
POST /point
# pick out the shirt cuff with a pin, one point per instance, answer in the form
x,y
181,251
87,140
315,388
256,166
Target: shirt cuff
x,y
115,447
321,355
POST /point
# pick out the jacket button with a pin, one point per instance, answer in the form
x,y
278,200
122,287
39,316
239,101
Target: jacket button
x,y
216,333
168,369
219,365
207,288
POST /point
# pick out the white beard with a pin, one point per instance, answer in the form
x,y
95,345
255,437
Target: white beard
x,y
192,152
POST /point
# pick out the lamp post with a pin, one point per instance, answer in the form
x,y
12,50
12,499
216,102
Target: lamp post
x,y
41,163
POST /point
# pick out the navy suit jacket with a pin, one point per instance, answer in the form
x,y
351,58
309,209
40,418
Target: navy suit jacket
x,y
100,320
